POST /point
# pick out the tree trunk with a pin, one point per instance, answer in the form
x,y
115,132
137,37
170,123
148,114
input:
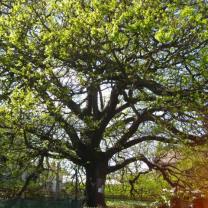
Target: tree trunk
x,y
95,184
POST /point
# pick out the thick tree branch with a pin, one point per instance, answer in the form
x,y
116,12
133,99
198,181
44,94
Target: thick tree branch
x,y
61,148
110,110
145,116
122,164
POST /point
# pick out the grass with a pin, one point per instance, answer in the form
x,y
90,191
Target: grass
x,y
118,203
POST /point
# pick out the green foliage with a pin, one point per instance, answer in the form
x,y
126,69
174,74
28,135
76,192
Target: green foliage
x,y
147,188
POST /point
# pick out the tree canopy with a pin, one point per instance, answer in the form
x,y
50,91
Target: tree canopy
x,y
94,81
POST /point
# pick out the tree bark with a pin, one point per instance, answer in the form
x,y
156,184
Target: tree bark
x,y
95,184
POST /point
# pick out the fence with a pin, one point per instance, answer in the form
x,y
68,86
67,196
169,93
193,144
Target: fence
x,y
42,203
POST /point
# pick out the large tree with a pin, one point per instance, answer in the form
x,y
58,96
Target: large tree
x,y
90,80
